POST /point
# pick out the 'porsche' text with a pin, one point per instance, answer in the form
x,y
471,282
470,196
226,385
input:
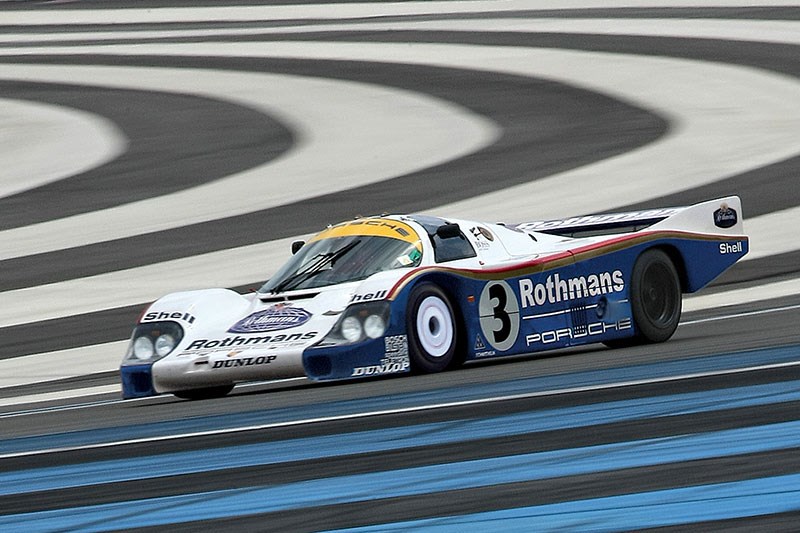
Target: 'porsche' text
x,y
595,328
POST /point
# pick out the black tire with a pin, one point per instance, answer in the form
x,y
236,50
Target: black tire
x,y
655,299
205,393
432,329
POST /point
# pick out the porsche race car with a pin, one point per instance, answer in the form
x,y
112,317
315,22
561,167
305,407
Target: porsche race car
x,y
420,294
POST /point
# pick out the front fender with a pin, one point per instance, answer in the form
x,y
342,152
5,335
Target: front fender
x,y
203,307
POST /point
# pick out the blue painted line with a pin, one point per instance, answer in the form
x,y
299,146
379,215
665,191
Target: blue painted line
x,y
673,507
414,481
460,393
83,474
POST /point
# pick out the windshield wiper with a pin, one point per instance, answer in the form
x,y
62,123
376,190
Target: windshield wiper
x,y
313,267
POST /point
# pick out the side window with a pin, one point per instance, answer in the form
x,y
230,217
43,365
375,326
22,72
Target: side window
x,y
451,248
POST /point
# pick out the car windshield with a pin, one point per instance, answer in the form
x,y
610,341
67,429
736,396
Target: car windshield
x,y
348,252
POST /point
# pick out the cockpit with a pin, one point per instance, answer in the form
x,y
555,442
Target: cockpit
x,y
350,251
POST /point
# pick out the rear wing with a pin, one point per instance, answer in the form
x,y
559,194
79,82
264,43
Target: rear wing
x,y
721,216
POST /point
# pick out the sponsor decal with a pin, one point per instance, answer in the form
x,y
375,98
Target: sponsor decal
x,y
244,361
482,237
499,315
396,359
398,227
396,346
578,332
380,227
278,316
725,216
166,315
593,220
236,341
369,296
728,248
555,289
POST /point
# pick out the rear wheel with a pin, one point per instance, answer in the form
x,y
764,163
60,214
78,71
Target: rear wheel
x,y
205,393
655,299
432,329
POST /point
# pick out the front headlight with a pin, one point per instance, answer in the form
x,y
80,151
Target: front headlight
x,y
374,326
164,344
359,322
351,328
152,341
143,348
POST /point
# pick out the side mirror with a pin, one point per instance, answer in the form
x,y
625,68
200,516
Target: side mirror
x,y
296,245
448,231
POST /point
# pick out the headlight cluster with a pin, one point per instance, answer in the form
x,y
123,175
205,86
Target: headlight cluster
x,y
152,341
359,322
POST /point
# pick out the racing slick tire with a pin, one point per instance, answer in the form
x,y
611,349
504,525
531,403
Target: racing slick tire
x,y
655,299
205,393
432,329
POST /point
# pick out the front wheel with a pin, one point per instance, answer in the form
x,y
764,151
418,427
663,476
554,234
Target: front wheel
x,y
432,330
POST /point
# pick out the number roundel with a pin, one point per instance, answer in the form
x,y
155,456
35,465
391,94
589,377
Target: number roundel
x,y
499,315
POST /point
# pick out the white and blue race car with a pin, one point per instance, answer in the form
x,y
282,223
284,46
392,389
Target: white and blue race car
x,y
415,293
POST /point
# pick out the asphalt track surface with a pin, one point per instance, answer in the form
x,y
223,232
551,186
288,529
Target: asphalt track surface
x,y
697,433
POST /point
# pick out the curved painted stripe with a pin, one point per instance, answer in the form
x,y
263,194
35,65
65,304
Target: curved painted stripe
x,y
41,143
775,31
511,159
762,114
335,11
208,139
380,142
42,367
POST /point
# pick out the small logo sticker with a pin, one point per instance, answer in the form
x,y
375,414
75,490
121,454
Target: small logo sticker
x,y
280,316
725,217
479,345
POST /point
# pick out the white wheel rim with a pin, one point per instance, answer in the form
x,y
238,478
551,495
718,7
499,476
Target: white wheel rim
x,y
434,326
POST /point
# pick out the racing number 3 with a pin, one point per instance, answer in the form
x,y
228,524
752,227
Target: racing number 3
x,y
499,315
498,294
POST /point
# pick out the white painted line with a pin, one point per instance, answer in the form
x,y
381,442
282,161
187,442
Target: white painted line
x,y
774,31
340,11
58,395
773,233
143,284
756,293
41,143
61,364
390,132
93,391
740,315
402,410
